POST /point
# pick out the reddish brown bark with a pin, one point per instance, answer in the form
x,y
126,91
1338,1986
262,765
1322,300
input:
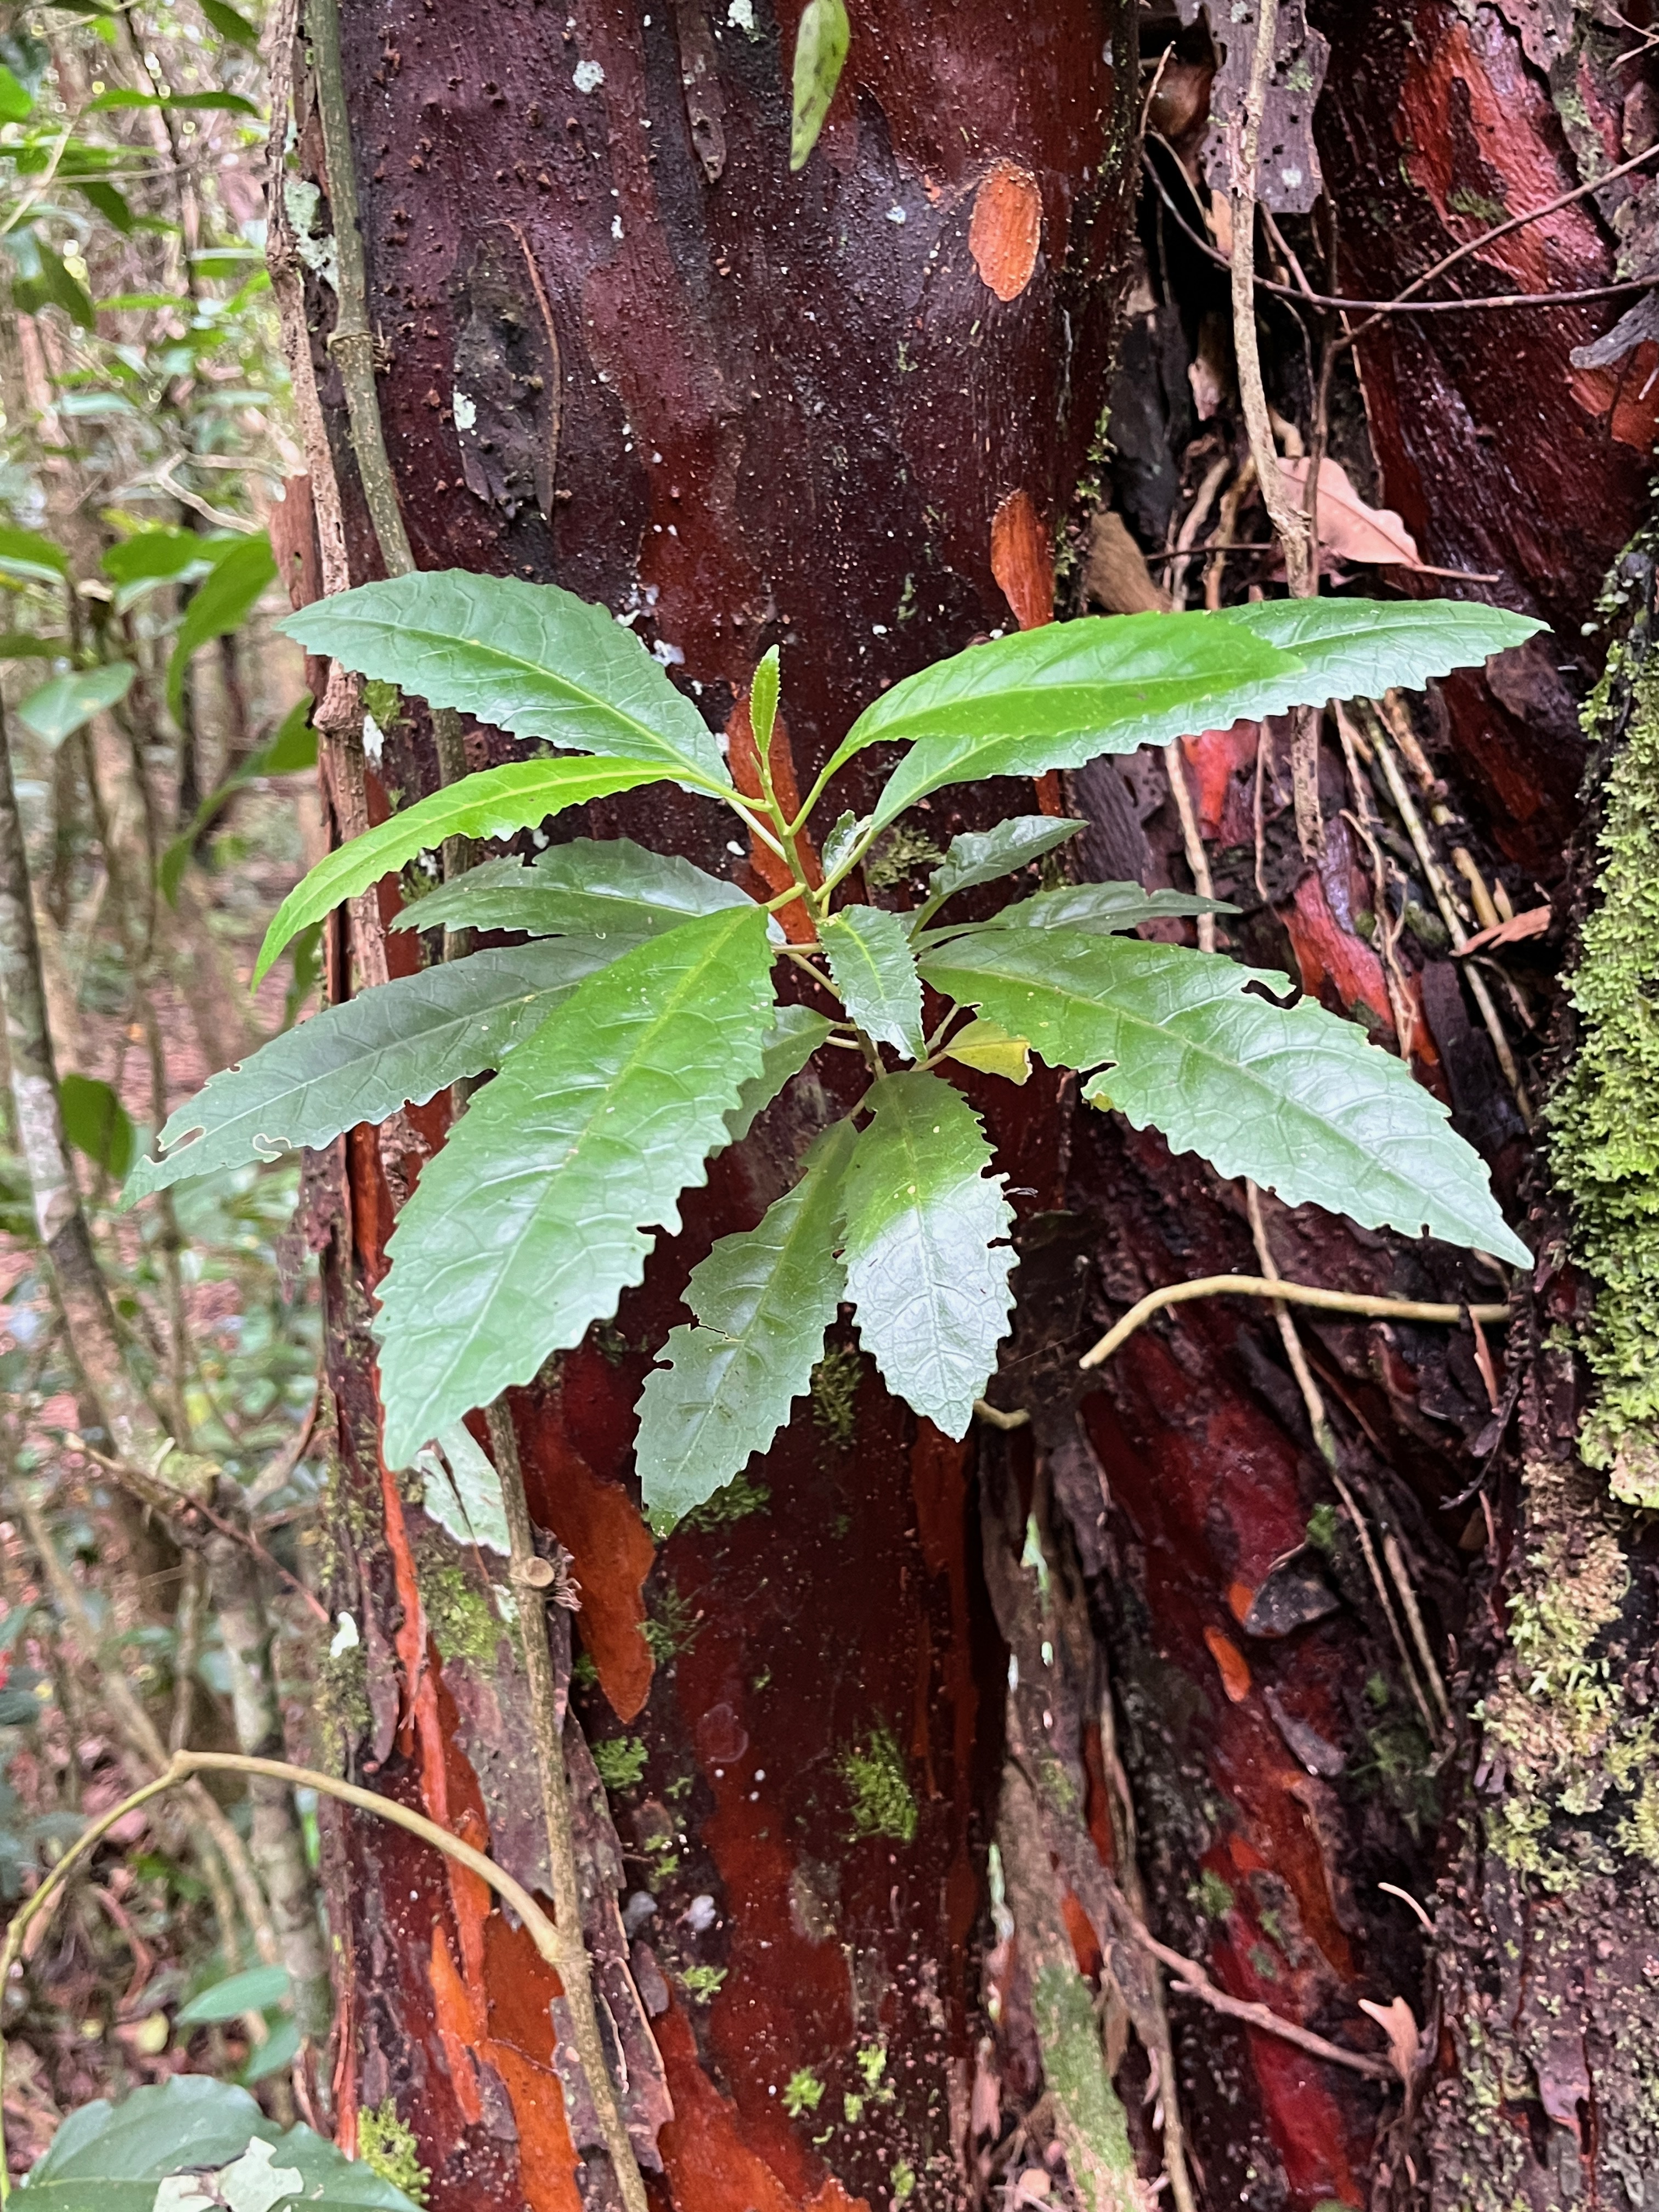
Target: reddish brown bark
x,y
746,409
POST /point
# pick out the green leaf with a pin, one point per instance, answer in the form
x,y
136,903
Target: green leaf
x,y
16,104
229,592
795,1035
764,1299
923,1265
590,887
494,803
987,1047
839,844
1057,696
1360,648
157,555
52,286
273,2056
398,1044
221,103
764,701
96,1123
983,856
111,2159
229,25
464,1497
35,559
821,47
529,658
530,1222
115,206
875,972
1092,906
65,705
291,748
255,1990
20,645
1295,1098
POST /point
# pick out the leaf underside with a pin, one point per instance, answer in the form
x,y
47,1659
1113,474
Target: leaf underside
x,y
528,658
764,1299
875,971
497,802
1295,1099
397,1045
1095,907
527,1225
983,856
924,1269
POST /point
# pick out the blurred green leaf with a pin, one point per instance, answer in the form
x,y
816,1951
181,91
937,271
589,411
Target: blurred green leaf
x,y
254,1990
57,709
54,287
275,2055
228,594
18,644
229,25
821,47
112,205
97,1123
27,554
15,101
226,103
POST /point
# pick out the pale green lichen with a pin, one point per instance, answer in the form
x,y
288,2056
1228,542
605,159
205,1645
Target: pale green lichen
x,y
883,1802
387,2144
1604,1130
903,853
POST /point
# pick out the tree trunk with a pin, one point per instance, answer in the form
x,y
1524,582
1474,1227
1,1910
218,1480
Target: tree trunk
x,y
852,412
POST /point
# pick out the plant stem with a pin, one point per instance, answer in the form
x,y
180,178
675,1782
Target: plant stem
x,y
530,1578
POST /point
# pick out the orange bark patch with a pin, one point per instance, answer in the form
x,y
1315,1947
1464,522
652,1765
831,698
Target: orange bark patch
x,y
1023,559
599,1525
1326,953
1007,228
1240,1598
1212,759
710,2166
457,2028
1234,1667
1085,1944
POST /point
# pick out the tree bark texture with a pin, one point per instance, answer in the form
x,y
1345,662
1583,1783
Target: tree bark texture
x,y
849,412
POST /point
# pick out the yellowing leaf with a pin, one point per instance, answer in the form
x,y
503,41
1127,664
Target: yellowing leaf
x,y
988,1047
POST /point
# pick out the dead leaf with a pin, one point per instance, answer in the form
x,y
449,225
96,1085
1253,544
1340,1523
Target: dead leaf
x,y
1533,923
1348,529
1033,2187
1399,2023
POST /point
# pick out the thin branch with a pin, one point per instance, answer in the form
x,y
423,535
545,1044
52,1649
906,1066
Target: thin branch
x,y
184,1768
1190,1979
1295,1294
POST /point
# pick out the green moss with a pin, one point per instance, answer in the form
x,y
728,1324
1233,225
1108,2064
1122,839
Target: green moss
x,y
835,1387
1213,1897
883,1802
735,1502
702,1984
340,1706
802,2093
671,1629
461,1618
903,2178
620,1761
901,854
1603,1129
1324,1526
387,2144
1093,2130
1570,1742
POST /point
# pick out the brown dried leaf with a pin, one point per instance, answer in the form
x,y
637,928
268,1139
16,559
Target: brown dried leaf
x,y
1519,927
1399,2023
1348,529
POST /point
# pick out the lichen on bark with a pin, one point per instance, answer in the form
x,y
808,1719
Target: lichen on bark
x,y
1604,1128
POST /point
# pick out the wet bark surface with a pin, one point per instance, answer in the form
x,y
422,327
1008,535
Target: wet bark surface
x,y
845,412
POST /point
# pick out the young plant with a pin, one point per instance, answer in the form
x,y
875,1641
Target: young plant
x,y
639,1029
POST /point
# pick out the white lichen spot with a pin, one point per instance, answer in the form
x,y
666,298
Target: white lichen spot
x,y
374,741
587,77
896,214
742,14
346,1637
615,226
670,656
464,407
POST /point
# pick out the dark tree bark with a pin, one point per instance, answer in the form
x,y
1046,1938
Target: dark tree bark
x,y
851,412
